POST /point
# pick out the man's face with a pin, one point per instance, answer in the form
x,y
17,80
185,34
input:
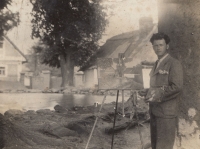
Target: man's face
x,y
160,47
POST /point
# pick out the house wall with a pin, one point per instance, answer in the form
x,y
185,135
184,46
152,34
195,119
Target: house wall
x,y
78,80
180,20
90,76
12,70
42,81
1,51
56,82
38,83
10,62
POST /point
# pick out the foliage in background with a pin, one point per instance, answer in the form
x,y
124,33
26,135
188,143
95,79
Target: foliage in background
x,y
68,26
7,18
70,31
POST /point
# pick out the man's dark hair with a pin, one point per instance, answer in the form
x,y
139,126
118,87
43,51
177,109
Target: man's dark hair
x,y
159,36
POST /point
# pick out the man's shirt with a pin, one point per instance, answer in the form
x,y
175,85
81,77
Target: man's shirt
x,y
160,60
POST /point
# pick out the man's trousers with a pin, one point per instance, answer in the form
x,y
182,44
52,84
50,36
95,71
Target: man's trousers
x,y
162,132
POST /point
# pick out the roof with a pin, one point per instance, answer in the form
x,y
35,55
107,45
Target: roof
x,y
16,48
117,44
130,44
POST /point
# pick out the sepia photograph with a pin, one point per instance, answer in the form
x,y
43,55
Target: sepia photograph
x,y
99,74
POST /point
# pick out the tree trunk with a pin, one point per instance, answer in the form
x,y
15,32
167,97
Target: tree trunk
x,y
67,70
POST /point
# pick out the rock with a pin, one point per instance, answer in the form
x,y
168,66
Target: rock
x,y
44,111
57,130
60,109
13,112
91,91
34,91
80,108
79,128
20,91
84,91
47,90
30,112
55,90
7,91
113,93
67,91
13,91
74,90
101,92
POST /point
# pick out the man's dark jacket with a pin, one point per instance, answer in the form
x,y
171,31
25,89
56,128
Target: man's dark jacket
x,y
168,79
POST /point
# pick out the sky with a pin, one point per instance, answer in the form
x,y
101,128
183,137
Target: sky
x,y
123,16
21,35
126,14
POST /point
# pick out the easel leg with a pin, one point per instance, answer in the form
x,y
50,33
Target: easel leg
x,y
137,119
95,121
123,103
115,119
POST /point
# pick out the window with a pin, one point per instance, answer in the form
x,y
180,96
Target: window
x,y
2,71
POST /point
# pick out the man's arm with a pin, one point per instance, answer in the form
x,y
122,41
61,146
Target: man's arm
x,y
175,82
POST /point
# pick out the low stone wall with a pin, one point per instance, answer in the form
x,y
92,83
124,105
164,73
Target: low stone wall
x,y
71,90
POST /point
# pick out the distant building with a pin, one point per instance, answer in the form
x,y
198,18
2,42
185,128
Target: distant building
x,y
133,45
36,75
11,60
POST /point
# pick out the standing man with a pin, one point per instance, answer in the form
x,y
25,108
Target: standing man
x,y
166,81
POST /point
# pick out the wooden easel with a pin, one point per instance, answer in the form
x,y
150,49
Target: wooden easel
x,y
136,113
116,106
120,71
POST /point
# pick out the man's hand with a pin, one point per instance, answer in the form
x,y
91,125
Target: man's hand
x,y
143,92
154,95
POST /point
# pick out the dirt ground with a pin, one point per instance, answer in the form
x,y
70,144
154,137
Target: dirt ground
x,y
70,128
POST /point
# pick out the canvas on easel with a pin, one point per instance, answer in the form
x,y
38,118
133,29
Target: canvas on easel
x,y
114,74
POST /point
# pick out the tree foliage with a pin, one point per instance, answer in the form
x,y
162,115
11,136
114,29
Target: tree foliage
x,y
68,27
4,3
7,18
